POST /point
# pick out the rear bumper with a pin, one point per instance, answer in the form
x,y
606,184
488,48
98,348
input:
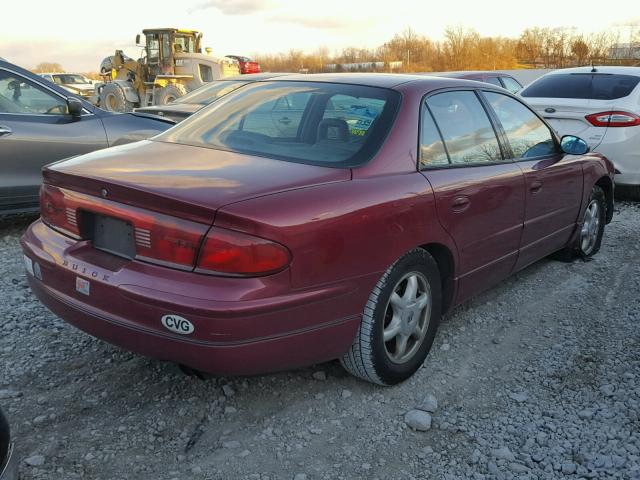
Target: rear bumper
x,y
627,179
9,471
241,326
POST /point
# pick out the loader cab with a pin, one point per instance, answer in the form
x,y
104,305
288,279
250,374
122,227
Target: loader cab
x,y
163,45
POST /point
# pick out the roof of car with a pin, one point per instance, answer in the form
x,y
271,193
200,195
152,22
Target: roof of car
x,y
386,80
599,69
465,73
251,77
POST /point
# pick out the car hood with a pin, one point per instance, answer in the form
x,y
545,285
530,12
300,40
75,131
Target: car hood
x,y
180,179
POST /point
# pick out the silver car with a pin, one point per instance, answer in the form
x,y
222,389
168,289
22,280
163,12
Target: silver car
x,y
41,123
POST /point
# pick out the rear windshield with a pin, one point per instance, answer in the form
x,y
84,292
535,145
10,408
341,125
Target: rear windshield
x,y
318,123
595,86
208,93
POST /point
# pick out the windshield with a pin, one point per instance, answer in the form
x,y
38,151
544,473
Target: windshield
x,y
208,93
594,86
67,79
318,123
184,44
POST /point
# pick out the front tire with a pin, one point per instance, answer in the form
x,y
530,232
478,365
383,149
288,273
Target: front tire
x,y
113,99
399,322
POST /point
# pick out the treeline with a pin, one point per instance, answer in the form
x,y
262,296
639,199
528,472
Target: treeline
x,y
461,49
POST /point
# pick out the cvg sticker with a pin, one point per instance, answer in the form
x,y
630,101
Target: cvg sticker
x,y
177,324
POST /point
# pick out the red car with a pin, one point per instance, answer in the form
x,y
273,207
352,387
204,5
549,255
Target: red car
x,y
312,217
246,64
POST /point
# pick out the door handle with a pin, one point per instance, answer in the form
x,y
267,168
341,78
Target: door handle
x,y
460,204
285,120
4,130
535,187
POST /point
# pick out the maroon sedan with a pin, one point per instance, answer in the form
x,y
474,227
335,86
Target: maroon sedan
x,y
310,218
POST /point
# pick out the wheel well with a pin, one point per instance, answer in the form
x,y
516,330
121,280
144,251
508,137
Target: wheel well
x,y
444,258
606,185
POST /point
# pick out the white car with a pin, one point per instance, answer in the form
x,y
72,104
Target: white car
x,y
72,82
600,105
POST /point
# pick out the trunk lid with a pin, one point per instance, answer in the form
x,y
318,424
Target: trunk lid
x,y
567,116
180,180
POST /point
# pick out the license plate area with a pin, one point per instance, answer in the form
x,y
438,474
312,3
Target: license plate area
x,y
109,234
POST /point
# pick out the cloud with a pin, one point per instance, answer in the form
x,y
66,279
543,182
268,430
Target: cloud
x,y
233,7
321,23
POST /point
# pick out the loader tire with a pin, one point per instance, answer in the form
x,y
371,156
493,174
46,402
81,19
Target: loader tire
x,y
112,99
168,94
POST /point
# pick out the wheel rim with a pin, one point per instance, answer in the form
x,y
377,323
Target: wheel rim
x,y
590,227
407,317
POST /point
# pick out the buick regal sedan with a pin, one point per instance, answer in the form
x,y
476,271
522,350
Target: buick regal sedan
x,y
234,243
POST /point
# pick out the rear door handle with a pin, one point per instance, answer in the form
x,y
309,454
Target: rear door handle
x,y
535,187
285,120
4,130
460,203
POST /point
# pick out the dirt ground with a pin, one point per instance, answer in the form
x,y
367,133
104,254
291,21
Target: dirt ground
x,y
537,378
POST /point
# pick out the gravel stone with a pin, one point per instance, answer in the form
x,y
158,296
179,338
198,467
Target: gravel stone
x,y
418,420
566,337
429,404
35,460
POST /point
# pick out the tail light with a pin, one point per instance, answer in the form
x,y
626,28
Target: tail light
x,y
233,253
57,210
613,119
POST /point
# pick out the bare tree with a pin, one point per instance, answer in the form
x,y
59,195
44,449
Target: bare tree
x,y
43,67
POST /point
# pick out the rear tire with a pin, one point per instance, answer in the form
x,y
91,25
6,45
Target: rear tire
x,y
589,239
168,94
399,322
112,99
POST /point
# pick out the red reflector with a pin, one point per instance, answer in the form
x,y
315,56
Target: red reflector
x,y
234,253
613,119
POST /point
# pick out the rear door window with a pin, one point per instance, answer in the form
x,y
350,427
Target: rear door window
x,y
494,81
528,136
466,129
595,86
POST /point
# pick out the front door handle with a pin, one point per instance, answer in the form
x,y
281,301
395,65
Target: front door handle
x,y
4,130
460,203
285,120
535,187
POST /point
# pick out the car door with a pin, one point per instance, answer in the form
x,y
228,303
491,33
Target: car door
x,y
36,129
553,180
479,195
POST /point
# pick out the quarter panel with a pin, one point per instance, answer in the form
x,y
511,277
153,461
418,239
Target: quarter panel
x,y
346,230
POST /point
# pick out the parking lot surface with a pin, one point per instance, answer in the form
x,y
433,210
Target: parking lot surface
x,y
538,378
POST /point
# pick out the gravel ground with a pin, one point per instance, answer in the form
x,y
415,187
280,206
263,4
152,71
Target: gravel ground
x,y
538,378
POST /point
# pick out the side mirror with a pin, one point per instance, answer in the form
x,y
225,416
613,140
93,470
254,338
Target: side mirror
x,y
137,39
74,106
574,145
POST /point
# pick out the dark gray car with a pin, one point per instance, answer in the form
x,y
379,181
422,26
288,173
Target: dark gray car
x,y
8,466
41,123
190,103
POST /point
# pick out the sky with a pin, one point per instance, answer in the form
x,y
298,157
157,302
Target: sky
x,y
43,30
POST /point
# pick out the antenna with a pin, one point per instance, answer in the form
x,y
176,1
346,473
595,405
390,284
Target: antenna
x,y
593,67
